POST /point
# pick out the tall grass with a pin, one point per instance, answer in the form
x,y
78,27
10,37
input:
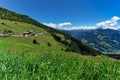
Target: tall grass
x,y
46,66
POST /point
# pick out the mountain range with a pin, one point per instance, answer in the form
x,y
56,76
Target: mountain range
x,y
104,40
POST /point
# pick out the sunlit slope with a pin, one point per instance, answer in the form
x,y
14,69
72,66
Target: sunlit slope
x,y
17,23
19,28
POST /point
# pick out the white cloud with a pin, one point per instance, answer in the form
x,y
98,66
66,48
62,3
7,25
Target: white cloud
x,y
81,27
50,25
58,26
108,23
64,24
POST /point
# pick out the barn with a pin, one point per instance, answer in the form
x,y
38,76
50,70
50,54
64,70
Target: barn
x,y
30,33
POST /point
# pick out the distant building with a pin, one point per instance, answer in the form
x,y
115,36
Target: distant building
x,y
29,33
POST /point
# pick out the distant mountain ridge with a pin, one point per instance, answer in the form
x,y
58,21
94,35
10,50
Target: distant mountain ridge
x,y
104,40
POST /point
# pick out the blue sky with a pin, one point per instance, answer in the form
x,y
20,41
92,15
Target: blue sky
x,y
74,13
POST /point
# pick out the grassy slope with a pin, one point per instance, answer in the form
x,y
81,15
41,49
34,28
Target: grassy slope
x,y
57,66
21,43
18,27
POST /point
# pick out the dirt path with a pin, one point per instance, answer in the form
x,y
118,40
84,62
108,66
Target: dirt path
x,y
17,35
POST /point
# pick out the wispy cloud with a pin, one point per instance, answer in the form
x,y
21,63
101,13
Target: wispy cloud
x,y
64,24
108,24
50,25
81,27
59,26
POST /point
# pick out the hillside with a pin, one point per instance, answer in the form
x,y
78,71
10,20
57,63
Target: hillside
x,y
104,40
18,24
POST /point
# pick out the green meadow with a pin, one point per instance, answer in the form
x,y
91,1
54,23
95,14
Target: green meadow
x,y
57,66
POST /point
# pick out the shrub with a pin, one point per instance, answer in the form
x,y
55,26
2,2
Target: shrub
x,y
49,44
3,23
35,41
